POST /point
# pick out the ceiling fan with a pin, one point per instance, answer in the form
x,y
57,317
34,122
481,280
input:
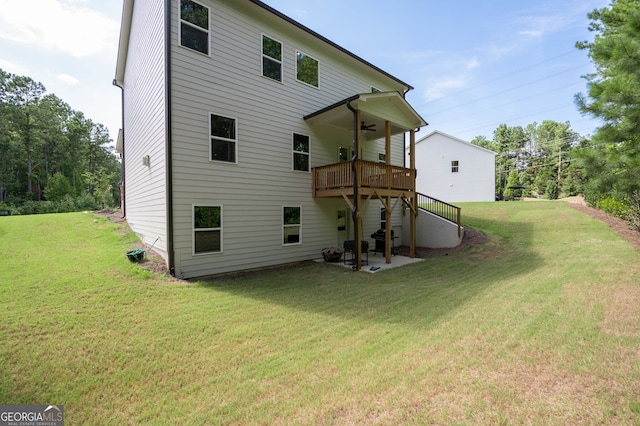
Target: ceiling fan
x,y
369,128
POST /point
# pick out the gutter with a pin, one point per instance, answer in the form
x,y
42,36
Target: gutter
x,y
168,141
122,167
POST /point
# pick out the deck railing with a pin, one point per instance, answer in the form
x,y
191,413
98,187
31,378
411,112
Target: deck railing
x,y
371,175
440,208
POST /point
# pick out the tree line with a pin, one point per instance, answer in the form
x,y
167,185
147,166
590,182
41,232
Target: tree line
x,y
52,158
551,160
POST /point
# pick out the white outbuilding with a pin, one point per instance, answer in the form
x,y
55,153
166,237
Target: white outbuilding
x,y
453,170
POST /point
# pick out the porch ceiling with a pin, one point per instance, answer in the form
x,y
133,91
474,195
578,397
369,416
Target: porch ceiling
x,y
375,108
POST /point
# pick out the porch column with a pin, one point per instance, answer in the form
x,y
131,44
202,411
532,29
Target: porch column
x,y
387,210
412,166
357,219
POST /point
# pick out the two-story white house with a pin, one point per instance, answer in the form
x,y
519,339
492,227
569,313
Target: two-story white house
x,y
249,140
453,170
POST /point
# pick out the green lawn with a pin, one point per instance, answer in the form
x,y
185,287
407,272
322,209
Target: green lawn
x,y
539,325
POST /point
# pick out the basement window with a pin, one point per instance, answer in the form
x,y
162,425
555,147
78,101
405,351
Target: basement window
x,y
291,225
207,229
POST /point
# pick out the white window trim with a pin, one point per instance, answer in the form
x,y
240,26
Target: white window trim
x,y
304,82
262,55
193,229
208,30
383,154
457,166
290,226
235,120
294,152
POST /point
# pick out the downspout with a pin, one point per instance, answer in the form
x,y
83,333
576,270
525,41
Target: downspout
x,y
122,168
168,132
356,195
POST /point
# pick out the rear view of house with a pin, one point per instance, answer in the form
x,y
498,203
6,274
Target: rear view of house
x,y
249,140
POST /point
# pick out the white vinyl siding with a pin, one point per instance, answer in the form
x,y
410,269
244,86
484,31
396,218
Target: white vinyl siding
x,y
253,192
144,126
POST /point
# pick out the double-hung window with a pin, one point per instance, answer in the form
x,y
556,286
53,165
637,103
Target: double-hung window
x,y
300,152
306,69
223,146
194,26
271,58
454,166
207,229
291,225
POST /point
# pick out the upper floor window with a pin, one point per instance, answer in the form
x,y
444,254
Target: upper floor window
x,y
194,26
300,152
224,142
375,90
306,69
454,166
271,58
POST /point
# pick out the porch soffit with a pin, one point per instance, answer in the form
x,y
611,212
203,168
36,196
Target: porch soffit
x,y
375,108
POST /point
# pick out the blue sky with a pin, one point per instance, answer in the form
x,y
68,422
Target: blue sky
x,y
473,64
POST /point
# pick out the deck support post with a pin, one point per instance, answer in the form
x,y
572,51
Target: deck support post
x,y
414,201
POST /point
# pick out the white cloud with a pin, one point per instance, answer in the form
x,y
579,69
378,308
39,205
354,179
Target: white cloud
x,y
13,67
58,25
439,88
69,79
472,63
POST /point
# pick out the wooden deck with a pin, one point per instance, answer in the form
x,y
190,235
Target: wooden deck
x,y
379,179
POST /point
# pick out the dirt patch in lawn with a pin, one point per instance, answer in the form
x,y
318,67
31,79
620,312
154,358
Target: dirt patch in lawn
x,y
622,227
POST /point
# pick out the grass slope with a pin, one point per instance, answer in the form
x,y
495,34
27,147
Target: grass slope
x,y
539,325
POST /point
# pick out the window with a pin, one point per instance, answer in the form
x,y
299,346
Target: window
x,y
291,225
300,152
306,69
343,154
223,139
383,218
454,166
382,157
194,26
207,229
271,58
375,90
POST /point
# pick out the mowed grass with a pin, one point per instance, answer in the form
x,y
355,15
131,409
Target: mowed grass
x,y
538,325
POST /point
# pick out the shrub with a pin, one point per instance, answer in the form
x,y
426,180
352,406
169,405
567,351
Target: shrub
x,y
86,202
616,208
66,204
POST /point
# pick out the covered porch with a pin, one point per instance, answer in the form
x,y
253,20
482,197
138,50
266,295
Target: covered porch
x,y
358,181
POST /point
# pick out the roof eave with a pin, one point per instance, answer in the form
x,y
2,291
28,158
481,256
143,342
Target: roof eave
x,y
268,8
123,43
